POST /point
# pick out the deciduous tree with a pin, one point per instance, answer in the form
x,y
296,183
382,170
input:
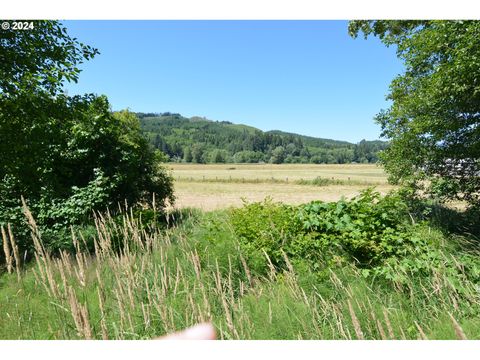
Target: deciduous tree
x,y
434,120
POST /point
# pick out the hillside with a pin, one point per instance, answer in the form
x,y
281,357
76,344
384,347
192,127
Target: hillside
x,y
313,141
201,140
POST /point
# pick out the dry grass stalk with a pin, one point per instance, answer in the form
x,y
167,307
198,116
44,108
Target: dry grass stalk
x,y
338,318
381,330
16,253
336,281
458,329
270,315
103,324
325,307
171,318
356,323
241,288
379,326
80,270
146,316
315,320
206,304
195,260
121,310
40,277
272,274
391,334
80,316
348,290
195,312
162,312
62,275
6,250
159,301
230,284
421,332
41,255
247,270
228,315
164,279
34,229
130,295
104,244
96,247
51,280
287,262
99,279
130,323
66,262
454,301
178,277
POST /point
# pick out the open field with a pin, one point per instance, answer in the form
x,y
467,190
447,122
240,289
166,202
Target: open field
x,y
363,172
215,186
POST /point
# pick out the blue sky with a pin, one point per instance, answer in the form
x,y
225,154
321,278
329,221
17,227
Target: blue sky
x,y
307,77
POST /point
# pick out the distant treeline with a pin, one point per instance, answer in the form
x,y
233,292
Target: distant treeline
x,y
199,140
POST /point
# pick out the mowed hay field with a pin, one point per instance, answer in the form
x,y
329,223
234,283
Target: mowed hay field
x,y
215,186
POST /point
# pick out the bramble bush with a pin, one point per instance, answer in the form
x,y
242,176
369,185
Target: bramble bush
x,y
375,233
366,229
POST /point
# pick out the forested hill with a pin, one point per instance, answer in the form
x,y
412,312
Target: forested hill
x,y
200,140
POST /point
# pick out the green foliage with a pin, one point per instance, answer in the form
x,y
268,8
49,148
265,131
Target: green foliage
x,y
371,231
67,156
198,153
61,213
265,228
219,156
369,228
188,155
95,160
248,156
39,59
433,122
321,181
278,155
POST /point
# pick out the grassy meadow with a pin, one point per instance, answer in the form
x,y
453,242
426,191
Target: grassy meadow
x,y
141,278
215,186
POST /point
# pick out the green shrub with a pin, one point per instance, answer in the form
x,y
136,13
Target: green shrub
x,y
265,228
86,177
366,229
321,181
373,232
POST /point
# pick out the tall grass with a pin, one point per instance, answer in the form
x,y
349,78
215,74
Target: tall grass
x,y
141,282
